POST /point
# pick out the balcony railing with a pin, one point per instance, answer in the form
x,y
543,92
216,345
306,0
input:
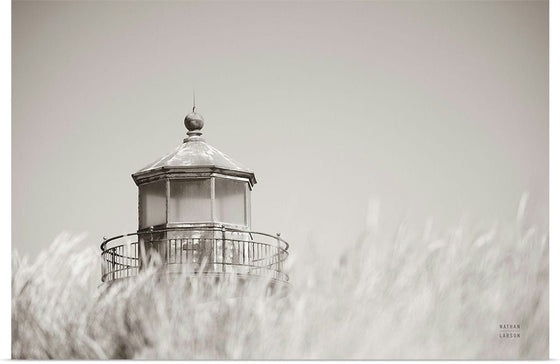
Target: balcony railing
x,y
214,250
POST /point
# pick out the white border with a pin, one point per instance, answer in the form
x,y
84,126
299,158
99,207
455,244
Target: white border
x,y
6,178
5,155
554,181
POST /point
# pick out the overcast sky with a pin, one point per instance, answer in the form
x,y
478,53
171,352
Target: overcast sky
x,y
432,108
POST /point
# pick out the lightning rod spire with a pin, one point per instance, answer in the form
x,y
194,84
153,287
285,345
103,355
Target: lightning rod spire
x,y
193,100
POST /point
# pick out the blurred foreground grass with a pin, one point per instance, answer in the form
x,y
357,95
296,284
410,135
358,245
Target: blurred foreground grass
x,y
400,294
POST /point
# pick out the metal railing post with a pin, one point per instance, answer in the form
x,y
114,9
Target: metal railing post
x,y
150,251
223,248
113,265
277,251
103,262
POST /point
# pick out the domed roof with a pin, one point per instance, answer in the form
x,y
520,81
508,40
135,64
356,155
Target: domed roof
x,y
196,153
194,156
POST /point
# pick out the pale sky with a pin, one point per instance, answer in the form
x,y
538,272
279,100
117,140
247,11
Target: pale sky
x,y
433,108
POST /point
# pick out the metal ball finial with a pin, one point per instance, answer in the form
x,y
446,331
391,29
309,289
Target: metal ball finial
x,y
194,121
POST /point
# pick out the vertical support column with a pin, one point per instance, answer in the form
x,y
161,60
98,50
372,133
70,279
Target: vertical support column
x,y
167,197
139,209
165,238
248,206
212,199
213,219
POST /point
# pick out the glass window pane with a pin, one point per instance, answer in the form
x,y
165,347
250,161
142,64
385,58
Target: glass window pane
x,y
230,201
189,201
152,204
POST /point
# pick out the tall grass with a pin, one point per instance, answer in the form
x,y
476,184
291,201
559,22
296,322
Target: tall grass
x,y
402,294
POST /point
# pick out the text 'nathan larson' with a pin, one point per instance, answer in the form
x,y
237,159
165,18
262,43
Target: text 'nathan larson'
x,y
510,331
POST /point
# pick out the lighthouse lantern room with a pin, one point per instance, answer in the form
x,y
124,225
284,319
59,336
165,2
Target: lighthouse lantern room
x,y
195,185
194,216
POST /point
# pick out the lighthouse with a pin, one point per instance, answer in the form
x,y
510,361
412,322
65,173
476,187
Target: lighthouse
x,y
194,217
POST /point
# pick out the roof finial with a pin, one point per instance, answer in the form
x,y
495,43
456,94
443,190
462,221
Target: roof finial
x,y
194,121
